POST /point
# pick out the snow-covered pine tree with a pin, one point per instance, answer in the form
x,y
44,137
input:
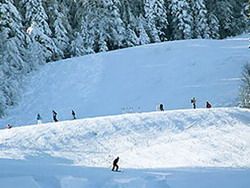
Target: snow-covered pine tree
x,y
143,36
214,26
224,13
103,20
200,19
58,22
130,22
33,54
77,46
181,19
116,26
240,16
150,21
213,21
245,88
86,38
38,28
12,65
161,20
131,37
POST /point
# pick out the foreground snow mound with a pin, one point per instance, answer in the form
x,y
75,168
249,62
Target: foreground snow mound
x,y
135,79
55,155
183,138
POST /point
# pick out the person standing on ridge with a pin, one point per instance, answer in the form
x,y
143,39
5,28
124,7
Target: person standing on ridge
x,y
54,116
39,119
73,114
161,107
208,105
193,101
115,166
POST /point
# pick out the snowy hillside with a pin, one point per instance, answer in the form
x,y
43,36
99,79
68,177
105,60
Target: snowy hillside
x,y
135,79
79,153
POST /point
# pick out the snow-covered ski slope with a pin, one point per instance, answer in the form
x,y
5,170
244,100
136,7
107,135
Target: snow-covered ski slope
x,y
180,138
135,79
201,148
156,150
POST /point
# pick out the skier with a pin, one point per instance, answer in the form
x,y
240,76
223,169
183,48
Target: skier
x,y
208,105
161,107
73,114
54,116
39,119
193,101
115,166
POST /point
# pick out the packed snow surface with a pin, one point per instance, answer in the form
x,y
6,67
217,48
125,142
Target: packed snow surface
x,y
194,148
135,79
156,150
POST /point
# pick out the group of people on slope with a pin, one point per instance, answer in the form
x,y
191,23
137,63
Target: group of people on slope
x,y
160,107
54,116
193,101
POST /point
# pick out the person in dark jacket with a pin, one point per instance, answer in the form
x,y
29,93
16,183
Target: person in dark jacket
x,y
39,119
193,101
54,116
73,114
208,105
115,166
161,107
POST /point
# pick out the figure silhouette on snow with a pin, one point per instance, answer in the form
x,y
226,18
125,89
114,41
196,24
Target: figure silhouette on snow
x,y
161,107
208,105
73,114
39,119
54,116
115,166
193,101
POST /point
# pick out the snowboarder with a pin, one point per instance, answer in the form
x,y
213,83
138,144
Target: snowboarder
x,y
115,166
161,107
208,105
54,116
193,101
73,114
39,119
9,126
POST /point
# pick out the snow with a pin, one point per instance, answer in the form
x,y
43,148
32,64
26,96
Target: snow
x,y
180,147
135,79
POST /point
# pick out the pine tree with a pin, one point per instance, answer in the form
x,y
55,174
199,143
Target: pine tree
x,y
200,19
161,19
150,19
214,26
38,28
181,19
12,66
130,22
131,37
58,21
240,16
143,36
224,13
